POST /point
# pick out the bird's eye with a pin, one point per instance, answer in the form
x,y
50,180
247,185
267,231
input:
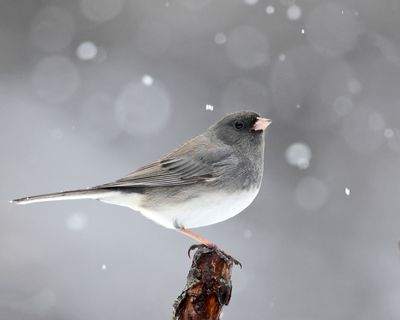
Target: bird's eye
x,y
239,125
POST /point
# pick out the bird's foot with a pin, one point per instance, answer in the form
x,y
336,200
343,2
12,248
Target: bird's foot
x,y
213,247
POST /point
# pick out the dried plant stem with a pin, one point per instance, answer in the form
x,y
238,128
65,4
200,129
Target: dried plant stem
x,y
208,286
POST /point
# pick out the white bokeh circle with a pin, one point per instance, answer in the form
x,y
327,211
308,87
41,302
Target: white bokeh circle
x,y
87,50
97,118
55,79
293,12
311,193
363,129
244,93
77,221
101,10
247,47
299,155
330,31
52,29
141,109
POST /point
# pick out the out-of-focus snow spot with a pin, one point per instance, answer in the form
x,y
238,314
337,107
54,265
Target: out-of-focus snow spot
x,y
55,78
388,133
153,38
52,29
251,2
103,267
97,118
243,92
343,105
270,9
101,10
220,38
86,51
330,32
282,57
311,193
77,221
389,49
363,130
298,155
247,234
293,12
376,122
347,191
147,80
247,47
142,109
354,86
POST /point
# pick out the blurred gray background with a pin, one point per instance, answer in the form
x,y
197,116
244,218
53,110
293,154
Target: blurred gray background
x,y
92,89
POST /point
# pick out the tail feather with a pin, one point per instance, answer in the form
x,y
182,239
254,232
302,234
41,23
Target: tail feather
x,y
65,195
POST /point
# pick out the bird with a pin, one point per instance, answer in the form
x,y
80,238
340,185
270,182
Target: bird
x,y
210,178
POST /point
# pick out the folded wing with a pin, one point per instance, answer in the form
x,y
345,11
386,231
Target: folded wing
x,y
186,165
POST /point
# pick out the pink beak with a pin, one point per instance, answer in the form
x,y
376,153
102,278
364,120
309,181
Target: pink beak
x,y
261,124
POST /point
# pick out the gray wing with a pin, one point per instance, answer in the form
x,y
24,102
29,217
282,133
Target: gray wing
x,y
186,165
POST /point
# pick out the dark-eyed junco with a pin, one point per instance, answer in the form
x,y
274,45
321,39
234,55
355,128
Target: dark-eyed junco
x,y
209,179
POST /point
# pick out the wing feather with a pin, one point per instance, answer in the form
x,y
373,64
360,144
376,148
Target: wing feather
x,y
186,165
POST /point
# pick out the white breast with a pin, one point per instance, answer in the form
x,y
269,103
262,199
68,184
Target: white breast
x,y
202,211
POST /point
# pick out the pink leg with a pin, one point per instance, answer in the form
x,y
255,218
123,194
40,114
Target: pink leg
x,y
196,237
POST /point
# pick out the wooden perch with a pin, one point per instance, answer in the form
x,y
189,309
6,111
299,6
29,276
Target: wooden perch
x,y
208,286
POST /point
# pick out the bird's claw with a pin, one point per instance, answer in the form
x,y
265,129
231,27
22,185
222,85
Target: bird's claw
x,y
229,257
213,247
194,247
202,245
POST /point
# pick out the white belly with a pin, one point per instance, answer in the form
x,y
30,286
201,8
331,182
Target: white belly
x,y
202,211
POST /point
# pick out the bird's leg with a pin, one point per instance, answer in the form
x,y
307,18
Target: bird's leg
x,y
196,237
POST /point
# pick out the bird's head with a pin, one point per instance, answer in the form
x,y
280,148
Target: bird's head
x,y
244,128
